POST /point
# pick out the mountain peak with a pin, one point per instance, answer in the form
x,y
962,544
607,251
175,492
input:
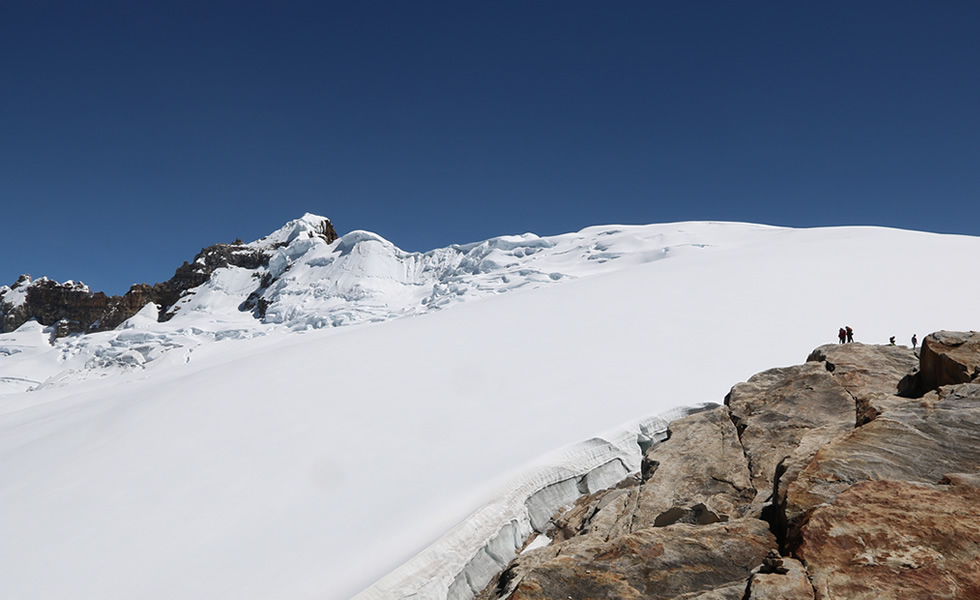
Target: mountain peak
x,y
309,225
74,308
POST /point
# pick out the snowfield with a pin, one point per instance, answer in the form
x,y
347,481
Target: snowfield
x,y
398,422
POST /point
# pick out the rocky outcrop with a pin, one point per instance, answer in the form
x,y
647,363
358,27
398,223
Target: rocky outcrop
x,y
208,260
674,488
895,539
919,441
74,308
653,563
868,373
947,358
775,410
813,482
780,578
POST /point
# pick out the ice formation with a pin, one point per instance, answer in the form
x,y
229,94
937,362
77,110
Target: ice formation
x,y
391,405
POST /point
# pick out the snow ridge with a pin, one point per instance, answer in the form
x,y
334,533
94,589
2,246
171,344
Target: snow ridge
x,y
361,277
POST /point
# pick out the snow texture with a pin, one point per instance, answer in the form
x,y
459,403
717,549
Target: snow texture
x,y
398,424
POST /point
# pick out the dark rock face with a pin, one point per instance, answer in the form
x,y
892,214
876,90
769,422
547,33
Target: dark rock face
x,y
865,493
75,309
72,307
208,260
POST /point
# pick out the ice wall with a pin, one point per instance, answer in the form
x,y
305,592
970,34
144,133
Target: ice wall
x,y
461,563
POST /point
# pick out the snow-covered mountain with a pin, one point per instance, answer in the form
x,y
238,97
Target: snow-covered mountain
x,y
289,432
305,282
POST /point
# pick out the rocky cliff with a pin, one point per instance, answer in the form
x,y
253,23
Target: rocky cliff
x,y
73,308
817,481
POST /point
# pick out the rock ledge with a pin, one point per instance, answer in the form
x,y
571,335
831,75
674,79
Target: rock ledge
x,y
817,481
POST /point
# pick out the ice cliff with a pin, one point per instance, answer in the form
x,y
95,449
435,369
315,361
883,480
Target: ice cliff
x,y
304,276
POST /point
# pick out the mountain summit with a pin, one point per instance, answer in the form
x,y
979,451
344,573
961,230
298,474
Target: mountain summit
x,y
73,308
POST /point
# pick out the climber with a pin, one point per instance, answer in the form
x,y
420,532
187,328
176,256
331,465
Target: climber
x,y
842,335
850,334
915,341
891,341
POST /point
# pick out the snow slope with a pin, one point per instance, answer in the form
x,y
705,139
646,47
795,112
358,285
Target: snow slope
x,y
310,284
238,458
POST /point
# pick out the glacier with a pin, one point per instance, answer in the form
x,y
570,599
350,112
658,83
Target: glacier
x,y
360,278
399,423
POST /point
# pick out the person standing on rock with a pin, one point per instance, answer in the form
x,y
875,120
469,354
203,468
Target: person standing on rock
x,y
915,341
850,334
842,335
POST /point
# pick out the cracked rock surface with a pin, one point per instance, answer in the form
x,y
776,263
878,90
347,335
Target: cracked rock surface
x,y
701,476
774,411
868,373
947,358
813,482
918,441
895,539
654,563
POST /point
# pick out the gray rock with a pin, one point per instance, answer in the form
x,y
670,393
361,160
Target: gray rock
x,y
790,582
729,592
699,475
775,409
657,564
963,479
867,372
919,441
789,446
947,358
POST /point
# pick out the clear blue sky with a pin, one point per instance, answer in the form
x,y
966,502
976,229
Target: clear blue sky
x,y
134,133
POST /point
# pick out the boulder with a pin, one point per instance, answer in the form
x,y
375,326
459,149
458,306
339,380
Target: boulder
x,y
654,564
880,540
948,357
698,475
780,578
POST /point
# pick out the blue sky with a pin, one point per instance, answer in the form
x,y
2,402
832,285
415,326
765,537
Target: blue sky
x,y
134,133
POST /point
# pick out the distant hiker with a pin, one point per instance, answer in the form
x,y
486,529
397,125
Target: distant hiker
x,y
842,335
891,341
915,341
850,334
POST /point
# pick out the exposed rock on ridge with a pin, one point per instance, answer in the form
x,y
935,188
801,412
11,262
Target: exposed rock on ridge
x,y
74,308
948,357
813,482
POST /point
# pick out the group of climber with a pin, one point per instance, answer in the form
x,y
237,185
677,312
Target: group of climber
x,y
846,336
